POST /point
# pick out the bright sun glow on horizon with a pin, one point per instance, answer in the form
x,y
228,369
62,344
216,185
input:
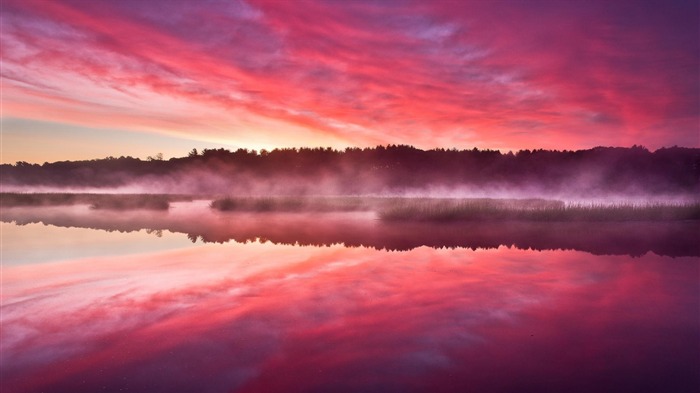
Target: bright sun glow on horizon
x,y
261,74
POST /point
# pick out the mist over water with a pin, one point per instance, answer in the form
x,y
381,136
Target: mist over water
x,y
595,175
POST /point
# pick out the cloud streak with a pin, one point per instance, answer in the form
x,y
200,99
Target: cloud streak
x,y
273,74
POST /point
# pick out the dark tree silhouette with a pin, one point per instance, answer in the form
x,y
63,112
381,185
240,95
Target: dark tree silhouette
x,y
384,169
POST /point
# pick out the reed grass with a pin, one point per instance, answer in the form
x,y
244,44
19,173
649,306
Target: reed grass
x,y
96,201
387,209
536,210
155,202
294,204
472,209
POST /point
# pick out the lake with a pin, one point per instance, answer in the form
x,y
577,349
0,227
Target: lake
x,y
192,300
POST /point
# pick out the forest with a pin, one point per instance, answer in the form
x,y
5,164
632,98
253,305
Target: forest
x,y
391,170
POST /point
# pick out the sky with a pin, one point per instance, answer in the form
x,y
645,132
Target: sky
x,y
87,79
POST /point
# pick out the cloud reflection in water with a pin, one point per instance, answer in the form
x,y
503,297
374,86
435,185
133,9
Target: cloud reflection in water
x,y
265,318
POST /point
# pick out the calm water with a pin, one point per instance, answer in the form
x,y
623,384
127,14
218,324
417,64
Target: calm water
x,y
99,301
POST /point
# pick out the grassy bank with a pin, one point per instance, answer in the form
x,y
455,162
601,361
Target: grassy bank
x,y
297,204
535,210
474,209
131,202
96,201
387,209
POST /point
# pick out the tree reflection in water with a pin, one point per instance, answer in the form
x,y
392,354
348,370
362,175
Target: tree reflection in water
x,y
671,238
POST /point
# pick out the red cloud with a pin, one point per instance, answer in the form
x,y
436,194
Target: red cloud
x,y
439,74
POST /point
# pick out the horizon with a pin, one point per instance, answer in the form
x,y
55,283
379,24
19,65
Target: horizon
x,y
158,156
260,74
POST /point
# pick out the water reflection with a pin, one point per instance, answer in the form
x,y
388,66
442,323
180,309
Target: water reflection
x,y
362,229
38,243
276,318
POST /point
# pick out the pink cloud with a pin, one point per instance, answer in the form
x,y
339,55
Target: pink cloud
x,y
440,74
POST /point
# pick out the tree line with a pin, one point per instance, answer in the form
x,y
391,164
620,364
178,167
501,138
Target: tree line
x,y
394,168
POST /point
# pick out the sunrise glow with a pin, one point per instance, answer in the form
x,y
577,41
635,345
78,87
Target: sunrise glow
x,y
148,77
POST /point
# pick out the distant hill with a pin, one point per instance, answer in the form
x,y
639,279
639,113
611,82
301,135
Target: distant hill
x,y
600,171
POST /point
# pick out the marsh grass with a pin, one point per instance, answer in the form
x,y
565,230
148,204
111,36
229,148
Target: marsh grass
x,y
295,204
96,201
386,208
151,202
473,209
536,210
